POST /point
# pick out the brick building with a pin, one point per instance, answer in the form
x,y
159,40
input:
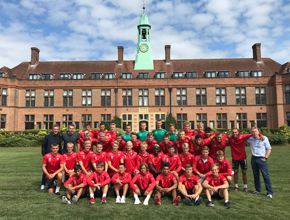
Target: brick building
x,y
218,92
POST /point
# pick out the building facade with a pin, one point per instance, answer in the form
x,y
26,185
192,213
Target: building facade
x,y
221,93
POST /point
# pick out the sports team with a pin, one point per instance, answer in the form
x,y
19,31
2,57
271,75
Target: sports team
x,y
159,163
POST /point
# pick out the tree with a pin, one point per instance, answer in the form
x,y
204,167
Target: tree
x,y
107,126
170,120
117,121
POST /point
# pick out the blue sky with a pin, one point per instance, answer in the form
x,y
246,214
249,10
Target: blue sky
x,y
92,29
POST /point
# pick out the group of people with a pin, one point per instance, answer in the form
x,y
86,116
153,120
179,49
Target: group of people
x,y
179,165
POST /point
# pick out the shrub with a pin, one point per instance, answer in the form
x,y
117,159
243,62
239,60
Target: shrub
x,y
275,139
18,142
117,121
285,131
170,120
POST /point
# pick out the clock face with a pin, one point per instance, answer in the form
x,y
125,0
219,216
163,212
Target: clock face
x,y
143,48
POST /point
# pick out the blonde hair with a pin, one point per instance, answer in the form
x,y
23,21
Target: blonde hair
x,y
88,142
185,145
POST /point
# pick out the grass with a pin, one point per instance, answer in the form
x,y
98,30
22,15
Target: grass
x,y
21,197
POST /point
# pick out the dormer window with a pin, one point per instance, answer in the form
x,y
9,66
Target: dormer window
x,y
191,74
257,73
2,74
96,76
210,74
77,76
64,76
143,75
33,76
224,74
160,75
109,75
243,73
126,76
46,76
177,74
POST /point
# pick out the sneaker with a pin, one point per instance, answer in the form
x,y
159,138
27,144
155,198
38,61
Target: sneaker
x,y
137,202
227,205
246,190
123,200
58,194
65,200
74,200
209,203
270,196
42,187
229,188
92,201
118,199
188,201
198,202
177,200
157,199
145,202
256,192
54,183
233,173
236,189
103,201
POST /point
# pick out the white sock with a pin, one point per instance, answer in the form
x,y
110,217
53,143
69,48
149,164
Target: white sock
x,y
91,196
147,198
226,201
209,200
135,196
123,197
196,198
57,189
104,195
245,186
236,185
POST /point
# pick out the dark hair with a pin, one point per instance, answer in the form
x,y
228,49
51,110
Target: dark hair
x,y
77,167
198,136
103,123
133,133
207,129
100,164
122,164
87,124
166,165
166,136
170,146
54,145
99,143
71,125
118,135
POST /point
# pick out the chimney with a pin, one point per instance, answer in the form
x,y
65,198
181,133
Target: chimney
x,y
257,52
34,55
120,55
167,54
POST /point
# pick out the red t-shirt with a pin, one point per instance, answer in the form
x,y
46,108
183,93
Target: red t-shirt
x,y
156,160
225,168
92,134
70,161
125,178
198,149
77,180
107,144
200,133
82,143
204,137
85,158
130,160
166,182
122,145
189,133
188,159
143,158
174,161
52,162
215,146
219,181
164,147
136,145
238,146
189,182
143,182
102,157
115,160
202,167
102,178
111,135
178,144
150,145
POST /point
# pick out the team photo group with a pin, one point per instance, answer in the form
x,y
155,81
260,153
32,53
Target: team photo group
x,y
187,165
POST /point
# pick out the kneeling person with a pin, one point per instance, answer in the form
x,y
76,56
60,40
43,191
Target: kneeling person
x,y
75,186
99,184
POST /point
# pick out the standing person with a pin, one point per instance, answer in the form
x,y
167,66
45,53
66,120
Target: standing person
x,y
114,158
200,127
70,136
99,156
102,129
84,159
174,161
82,140
150,141
180,141
143,155
185,157
106,141
127,136
52,166
159,132
217,143
49,139
172,134
112,133
122,143
261,150
136,143
207,133
187,130
156,160
87,128
142,135
165,143
131,159
198,143
70,160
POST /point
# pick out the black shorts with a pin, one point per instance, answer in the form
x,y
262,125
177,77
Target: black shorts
x,y
66,177
50,182
142,193
121,193
189,191
84,195
98,193
237,163
169,195
217,196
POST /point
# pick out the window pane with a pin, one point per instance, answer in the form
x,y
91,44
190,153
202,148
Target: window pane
x,y
203,91
89,92
108,92
32,92
145,91
223,91
224,116
84,101
178,100
238,116
224,99
183,91
162,100
156,100
27,92
84,117
218,116
140,92
264,116
178,91
64,92
198,117
237,90
124,92
257,90
184,117
145,101
129,92
51,92
218,99
84,93
70,93
178,117
217,91
161,91
156,91
262,90
89,101
4,91
140,101
243,91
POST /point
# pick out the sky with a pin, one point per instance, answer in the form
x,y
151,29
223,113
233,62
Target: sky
x,y
92,29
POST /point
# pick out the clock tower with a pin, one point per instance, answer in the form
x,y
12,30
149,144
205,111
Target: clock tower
x,y
144,59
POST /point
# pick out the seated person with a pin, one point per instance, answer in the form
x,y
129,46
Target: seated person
x,y
156,160
224,165
174,161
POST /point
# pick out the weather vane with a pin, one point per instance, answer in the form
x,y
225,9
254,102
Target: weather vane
x,y
144,7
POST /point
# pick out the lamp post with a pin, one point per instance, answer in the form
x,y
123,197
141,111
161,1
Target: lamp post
x,y
170,90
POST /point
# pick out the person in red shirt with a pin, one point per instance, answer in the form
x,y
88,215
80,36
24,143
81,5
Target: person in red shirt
x,y
190,186
112,133
82,140
102,129
198,143
216,186
114,158
131,159
165,143
201,164
185,157
143,155
144,186
166,185
174,161
99,184
75,186
93,133
121,181
99,156
122,143
52,166
136,143
84,159
70,160
200,127
217,143
107,142
207,133
224,165
150,141
156,160
180,141
187,131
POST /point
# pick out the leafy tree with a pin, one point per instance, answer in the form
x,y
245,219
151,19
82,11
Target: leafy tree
x,y
117,121
170,120
107,126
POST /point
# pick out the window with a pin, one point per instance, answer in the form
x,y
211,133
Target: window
x,y
126,119
181,97
77,125
33,76
160,97
2,74
211,124
87,97
143,75
77,76
287,93
126,76
191,124
106,118
241,120
47,121
210,74
64,76
127,97
106,97
221,120
96,76
67,98
224,74
261,120
86,119
46,76
96,124
243,73
143,97
191,74
257,73
200,96
143,116
253,124
162,117
178,75
67,120
4,96
241,96
181,118
287,118
221,98
160,75
232,124
260,96
30,98
201,118
29,122
48,98
38,125
3,121
109,75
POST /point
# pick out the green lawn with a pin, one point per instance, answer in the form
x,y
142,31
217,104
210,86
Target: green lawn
x,y
21,197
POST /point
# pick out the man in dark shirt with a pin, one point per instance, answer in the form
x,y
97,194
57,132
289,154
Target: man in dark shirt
x,y
69,136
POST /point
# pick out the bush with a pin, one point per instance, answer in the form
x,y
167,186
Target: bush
x,y
285,131
117,121
170,120
18,142
275,139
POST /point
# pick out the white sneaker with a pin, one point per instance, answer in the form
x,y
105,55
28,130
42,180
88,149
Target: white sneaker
x,y
145,202
42,187
118,199
233,173
65,200
123,200
54,183
270,196
137,202
74,200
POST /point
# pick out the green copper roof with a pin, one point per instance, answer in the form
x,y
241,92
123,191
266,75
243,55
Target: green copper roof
x,y
143,19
